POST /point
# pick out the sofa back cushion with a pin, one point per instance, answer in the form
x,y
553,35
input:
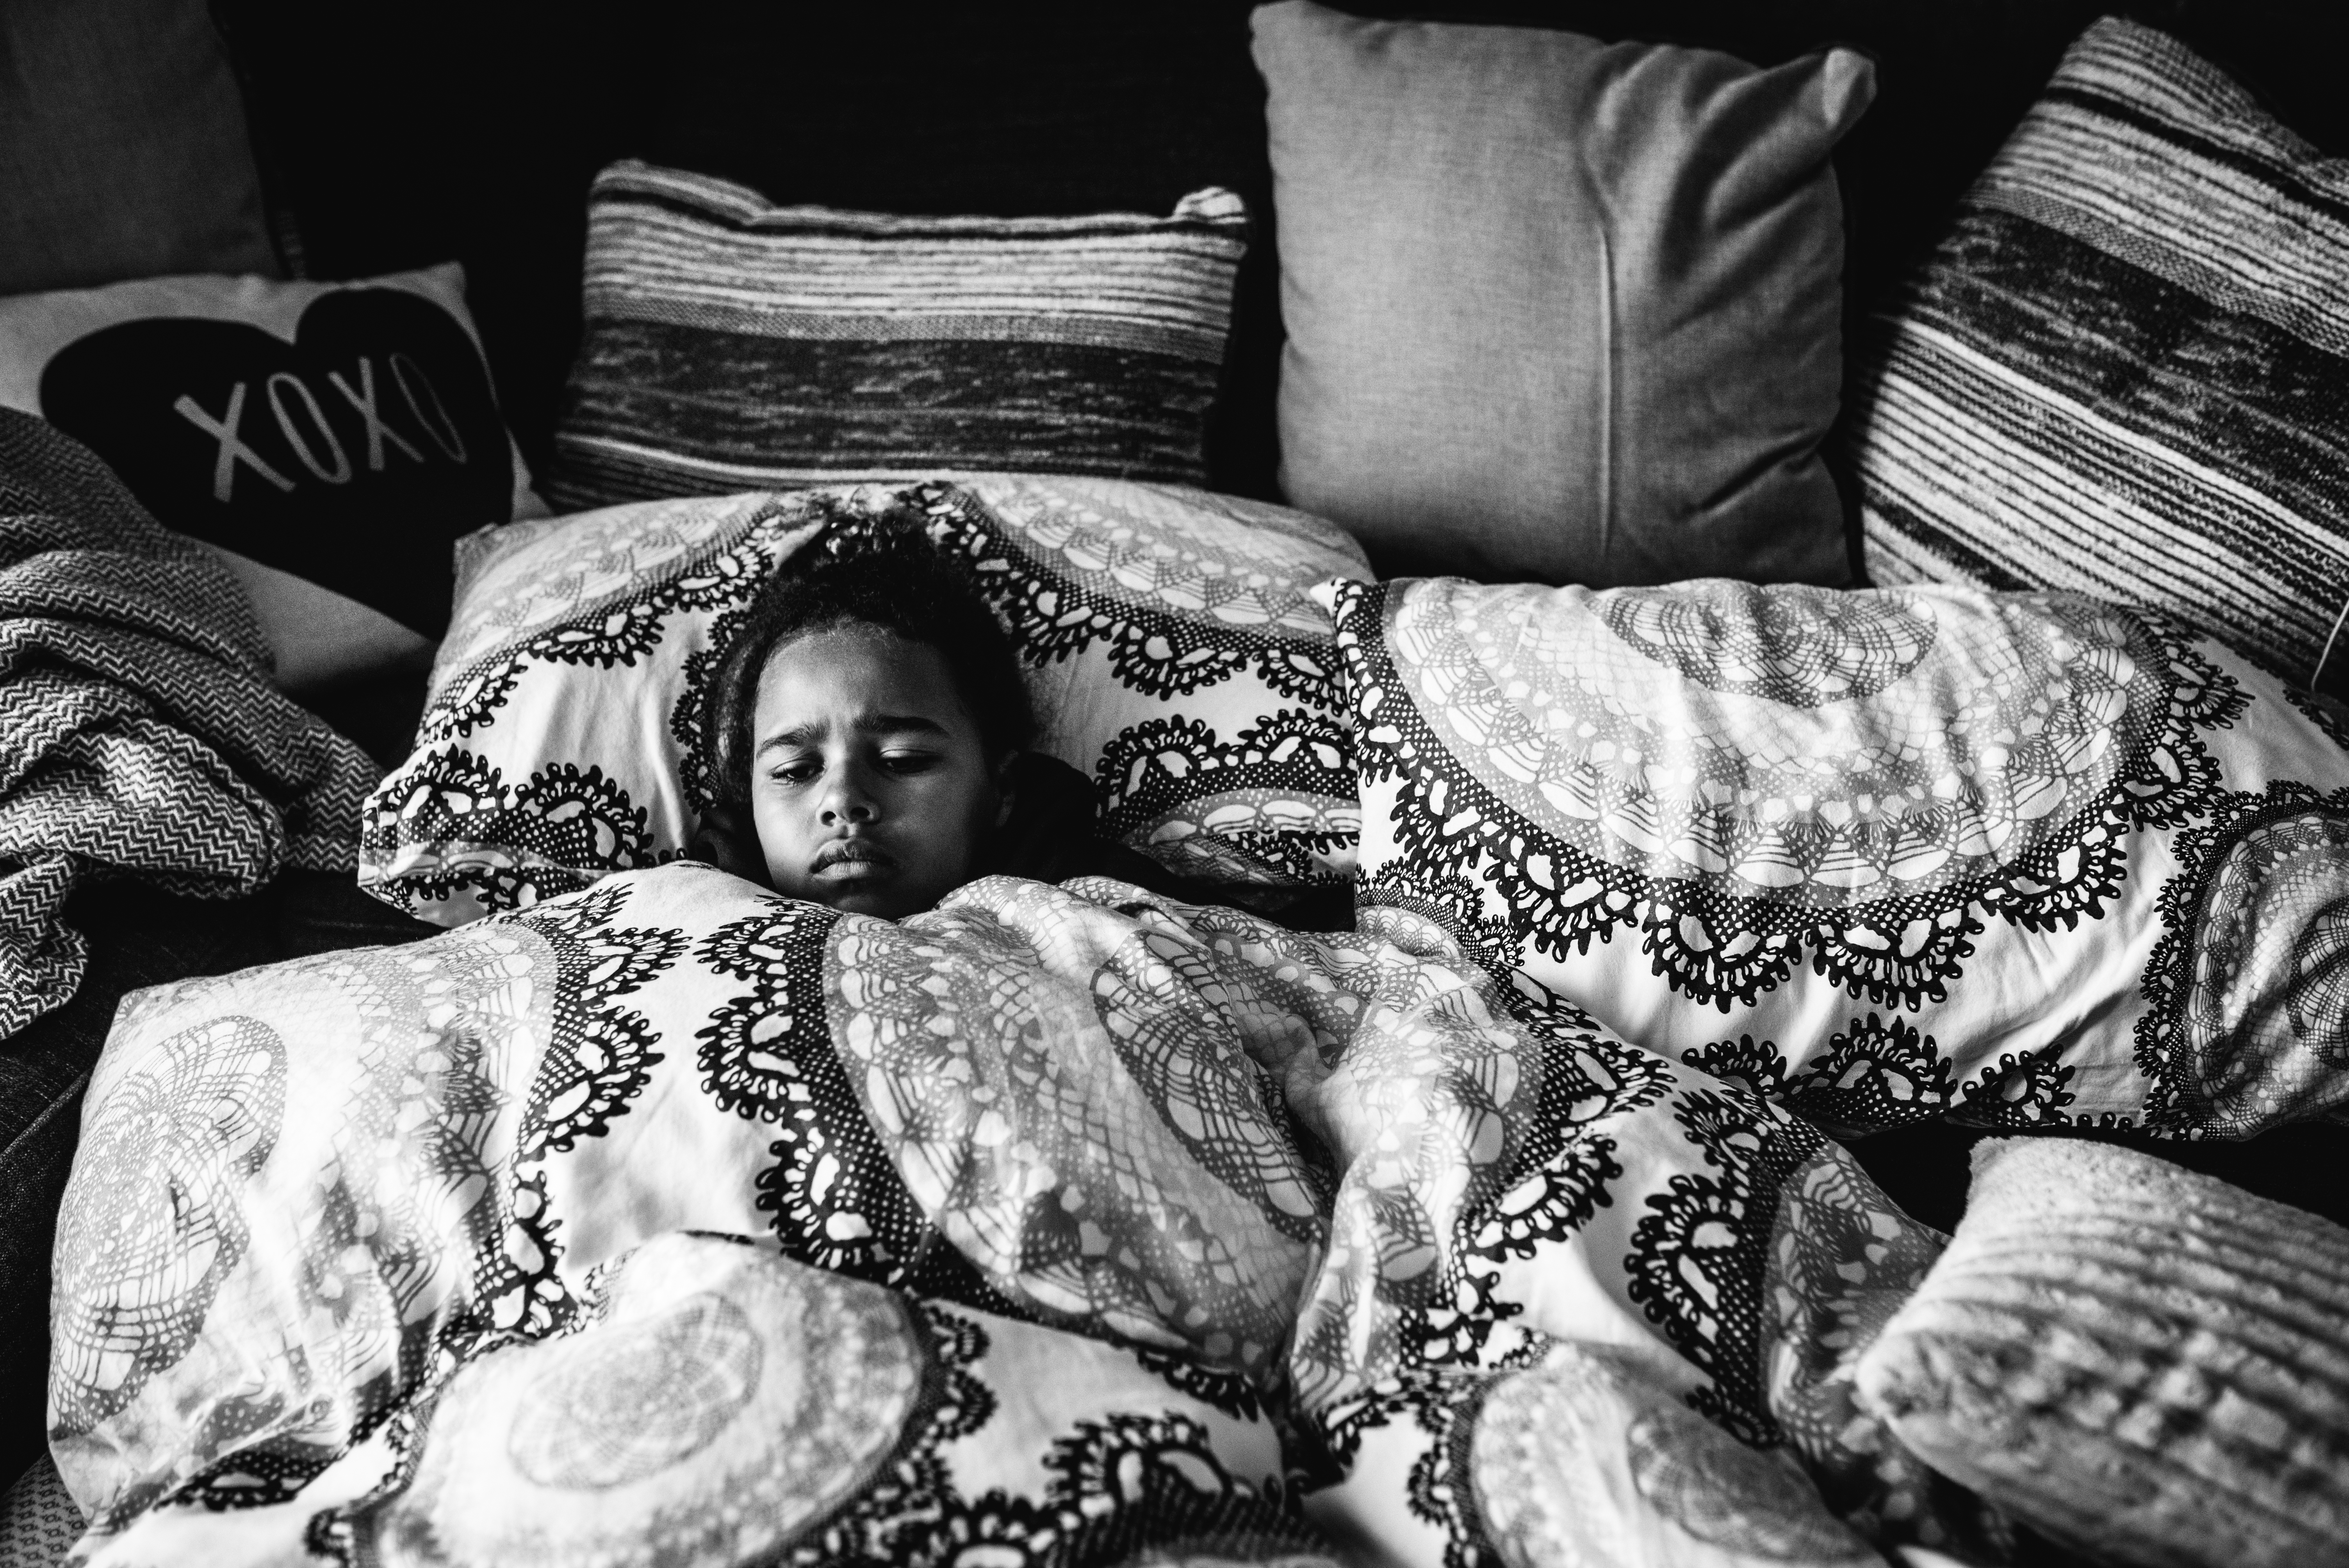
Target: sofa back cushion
x,y
123,152
1558,309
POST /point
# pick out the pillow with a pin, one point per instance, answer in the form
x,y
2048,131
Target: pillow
x,y
2140,1363
123,152
1174,653
733,344
2022,860
2125,372
1557,309
332,439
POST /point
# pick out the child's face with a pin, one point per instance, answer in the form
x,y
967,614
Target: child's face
x,y
870,787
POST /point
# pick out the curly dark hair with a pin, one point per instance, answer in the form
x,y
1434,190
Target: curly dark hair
x,y
891,578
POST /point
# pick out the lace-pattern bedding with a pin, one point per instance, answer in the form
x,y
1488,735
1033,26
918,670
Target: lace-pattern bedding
x,y
1883,855
1068,1222
1172,646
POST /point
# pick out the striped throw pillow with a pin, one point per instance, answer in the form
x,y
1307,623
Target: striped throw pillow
x,y
732,344
2126,371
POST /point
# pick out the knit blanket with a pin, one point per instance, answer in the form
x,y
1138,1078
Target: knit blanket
x,y
139,734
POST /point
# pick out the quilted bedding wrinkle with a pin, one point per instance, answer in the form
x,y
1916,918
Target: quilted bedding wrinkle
x,y
672,1221
139,734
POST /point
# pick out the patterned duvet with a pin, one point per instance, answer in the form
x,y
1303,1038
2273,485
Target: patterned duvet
x,y
673,1221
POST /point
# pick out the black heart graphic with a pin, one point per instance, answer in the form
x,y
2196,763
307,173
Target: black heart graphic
x,y
352,456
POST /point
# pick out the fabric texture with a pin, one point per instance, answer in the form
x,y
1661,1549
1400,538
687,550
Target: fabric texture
x,y
1558,310
732,344
136,936
2140,1363
2020,860
123,152
1363,1179
1173,650
2125,372
340,435
139,733
39,1521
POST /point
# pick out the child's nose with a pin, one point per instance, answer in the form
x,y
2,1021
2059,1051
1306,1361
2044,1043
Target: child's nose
x,y
848,801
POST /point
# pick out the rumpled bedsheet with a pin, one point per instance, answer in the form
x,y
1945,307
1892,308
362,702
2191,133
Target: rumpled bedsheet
x,y
139,734
672,1221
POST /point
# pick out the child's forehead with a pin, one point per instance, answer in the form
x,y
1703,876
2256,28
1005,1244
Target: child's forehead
x,y
857,665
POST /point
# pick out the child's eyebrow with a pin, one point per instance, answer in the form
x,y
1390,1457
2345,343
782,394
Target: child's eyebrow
x,y
868,724
892,723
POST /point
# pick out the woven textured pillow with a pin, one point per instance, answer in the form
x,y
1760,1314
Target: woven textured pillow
x,y
2126,371
1173,650
1883,855
731,343
2139,1362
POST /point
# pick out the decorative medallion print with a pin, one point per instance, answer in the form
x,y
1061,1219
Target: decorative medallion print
x,y
1449,905
767,1055
1697,1262
153,1221
1805,648
2021,1089
454,827
510,588
1639,758
1469,1133
2246,1023
650,1396
1092,1156
1132,1489
578,625
1842,1259
1284,792
2328,714
1725,1495
446,835
1218,1387
1557,1177
1183,592
600,1054
415,1248
1874,1073
703,1411
1581,1457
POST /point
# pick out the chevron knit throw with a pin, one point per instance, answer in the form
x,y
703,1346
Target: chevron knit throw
x,y
139,735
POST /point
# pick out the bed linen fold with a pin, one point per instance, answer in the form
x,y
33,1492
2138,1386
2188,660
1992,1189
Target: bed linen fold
x,y
1381,1207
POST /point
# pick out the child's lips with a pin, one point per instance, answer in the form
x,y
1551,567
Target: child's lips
x,y
853,860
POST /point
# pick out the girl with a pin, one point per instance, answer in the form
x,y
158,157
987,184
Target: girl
x,y
869,732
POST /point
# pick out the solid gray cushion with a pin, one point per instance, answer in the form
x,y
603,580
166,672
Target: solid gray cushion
x,y
123,152
1557,309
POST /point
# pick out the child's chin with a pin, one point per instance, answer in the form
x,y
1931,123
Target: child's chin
x,y
878,905
884,902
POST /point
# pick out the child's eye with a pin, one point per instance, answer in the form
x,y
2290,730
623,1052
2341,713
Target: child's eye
x,y
909,761
792,773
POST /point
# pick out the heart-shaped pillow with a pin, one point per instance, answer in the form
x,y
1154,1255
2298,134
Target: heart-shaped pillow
x,y
344,435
